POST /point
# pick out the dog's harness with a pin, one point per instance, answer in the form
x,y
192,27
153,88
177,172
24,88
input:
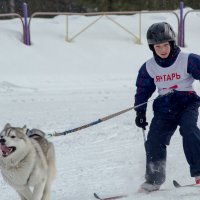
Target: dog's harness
x,y
34,132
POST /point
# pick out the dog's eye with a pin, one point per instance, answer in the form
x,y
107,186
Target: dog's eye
x,y
13,136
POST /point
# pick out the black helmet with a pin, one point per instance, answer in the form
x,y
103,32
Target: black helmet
x,y
160,33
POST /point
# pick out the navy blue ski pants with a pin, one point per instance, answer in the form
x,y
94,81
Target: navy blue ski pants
x,y
162,127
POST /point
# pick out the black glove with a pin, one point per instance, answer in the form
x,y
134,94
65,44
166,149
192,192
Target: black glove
x,y
140,120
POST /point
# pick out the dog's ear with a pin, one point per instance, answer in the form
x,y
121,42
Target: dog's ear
x,y
7,126
24,129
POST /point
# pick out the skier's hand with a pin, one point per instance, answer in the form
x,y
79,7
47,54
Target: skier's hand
x,y
140,120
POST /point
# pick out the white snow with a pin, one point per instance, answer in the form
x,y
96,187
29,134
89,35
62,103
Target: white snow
x,y
55,86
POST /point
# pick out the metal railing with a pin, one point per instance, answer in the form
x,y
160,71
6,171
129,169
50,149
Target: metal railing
x,y
184,18
101,14
17,16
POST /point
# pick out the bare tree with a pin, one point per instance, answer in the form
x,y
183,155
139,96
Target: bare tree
x,y
12,6
7,6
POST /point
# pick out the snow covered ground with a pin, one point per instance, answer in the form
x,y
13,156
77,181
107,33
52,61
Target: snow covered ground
x,y
55,86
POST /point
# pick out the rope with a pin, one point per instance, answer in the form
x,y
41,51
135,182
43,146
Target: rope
x,y
98,121
105,118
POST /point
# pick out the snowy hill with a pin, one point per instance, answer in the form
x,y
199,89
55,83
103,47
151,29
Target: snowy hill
x,y
55,86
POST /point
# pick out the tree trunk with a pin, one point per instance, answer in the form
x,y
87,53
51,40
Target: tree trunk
x,y
12,6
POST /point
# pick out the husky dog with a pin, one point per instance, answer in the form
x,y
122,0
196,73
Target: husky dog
x,y
27,163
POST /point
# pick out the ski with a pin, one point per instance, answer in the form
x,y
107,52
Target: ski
x,y
178,185
124,195
110,198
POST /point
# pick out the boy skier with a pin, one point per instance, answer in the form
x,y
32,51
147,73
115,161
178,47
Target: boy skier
x,y
173,73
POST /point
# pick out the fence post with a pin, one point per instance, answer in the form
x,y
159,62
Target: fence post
x,y
26,30
140,28
181,43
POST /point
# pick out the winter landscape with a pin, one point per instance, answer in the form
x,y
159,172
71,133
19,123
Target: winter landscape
x,y
54,85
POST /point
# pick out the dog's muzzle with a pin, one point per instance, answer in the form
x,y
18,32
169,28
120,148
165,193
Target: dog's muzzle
x,y
6,151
